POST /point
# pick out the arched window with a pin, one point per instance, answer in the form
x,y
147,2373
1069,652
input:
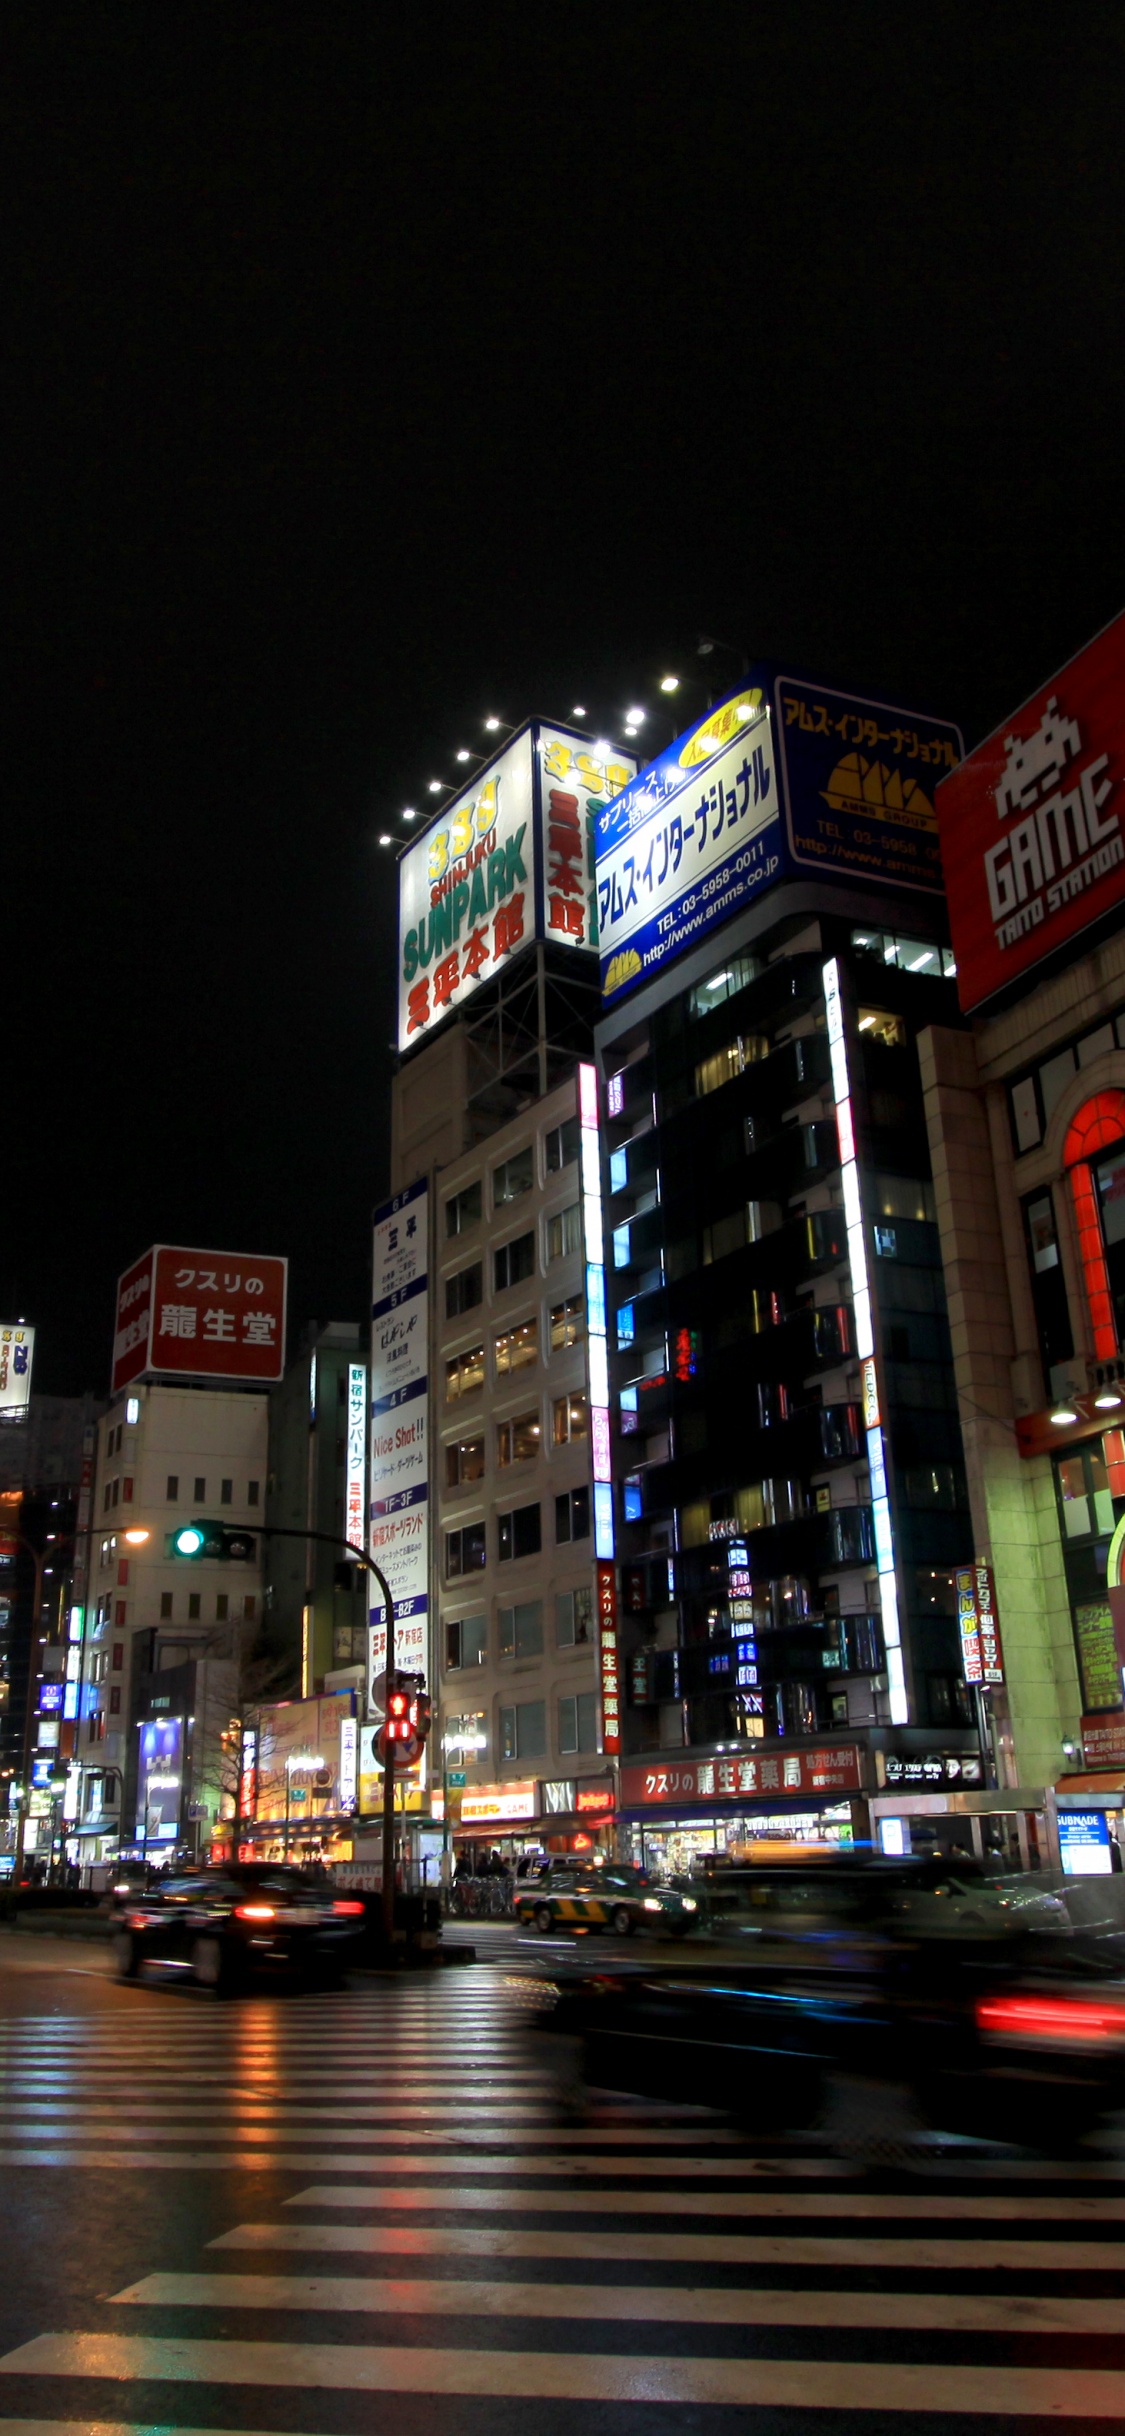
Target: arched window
x,y
1097,1186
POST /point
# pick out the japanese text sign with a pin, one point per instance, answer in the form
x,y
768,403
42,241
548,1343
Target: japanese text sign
x,y
508,861
1031,834
608,1658
782,776
202,1315
835,1769
399,1537
17,1347
982,1658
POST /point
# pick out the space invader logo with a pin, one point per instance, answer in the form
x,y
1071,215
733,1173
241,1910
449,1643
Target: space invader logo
x,y
1035,763
1066,836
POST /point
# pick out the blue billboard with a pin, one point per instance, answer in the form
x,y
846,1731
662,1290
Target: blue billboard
x,y
783,777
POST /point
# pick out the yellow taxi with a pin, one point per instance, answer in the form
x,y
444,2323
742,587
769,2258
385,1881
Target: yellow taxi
x,y
617,1897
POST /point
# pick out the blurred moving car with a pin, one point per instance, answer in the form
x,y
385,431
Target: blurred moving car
x,y
616,1897
248,1920
1002,2016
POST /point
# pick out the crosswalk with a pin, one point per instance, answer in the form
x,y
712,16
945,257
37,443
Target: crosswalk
x,y
425,2220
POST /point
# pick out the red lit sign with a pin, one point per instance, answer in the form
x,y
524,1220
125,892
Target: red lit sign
x,y
593,1801
202,1315
1031,833
982,1659
608,1658
835,1769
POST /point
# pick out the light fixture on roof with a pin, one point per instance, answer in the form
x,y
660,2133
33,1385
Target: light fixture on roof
x,y
463,755
603,748
744,710
385,840
636,715
579,711
1108,1401
1063,1416
409,812
435,787
669,685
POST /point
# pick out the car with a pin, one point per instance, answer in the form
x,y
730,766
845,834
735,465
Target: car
x,y
244,1921
616,1897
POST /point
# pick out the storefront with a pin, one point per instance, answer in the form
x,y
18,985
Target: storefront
x,y
532,1816
682,1814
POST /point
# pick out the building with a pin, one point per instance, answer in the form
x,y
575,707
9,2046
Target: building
x,y
789,1504
1026,1113
316,1602
45,1454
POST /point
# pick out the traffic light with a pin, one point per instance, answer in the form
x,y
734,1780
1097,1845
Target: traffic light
x,y
398,1728
421,1717
219,1542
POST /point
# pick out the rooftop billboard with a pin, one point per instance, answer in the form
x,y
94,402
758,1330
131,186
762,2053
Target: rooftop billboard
x,y
1031,836
17,1348
782,778
201,1315
507,861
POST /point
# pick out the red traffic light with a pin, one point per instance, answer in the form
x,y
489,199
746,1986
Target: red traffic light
x,y
398,1727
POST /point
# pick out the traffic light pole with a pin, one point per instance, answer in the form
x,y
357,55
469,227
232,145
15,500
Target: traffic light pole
x,y
360,1557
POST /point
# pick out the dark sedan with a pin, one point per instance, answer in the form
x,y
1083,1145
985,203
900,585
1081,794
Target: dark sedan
x,y
227,1927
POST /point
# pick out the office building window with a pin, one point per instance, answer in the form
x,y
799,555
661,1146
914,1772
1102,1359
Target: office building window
x,y
466,1737
569,1419
516,1176
251,1492
523,1730
464,1290
462,1210
464,1550
521,1630
564,1232
517,1440
572,1515
222,1607
574,1618
568,1323
578,1723
226,1492
200,1489
464,1373
466,1642
562,1145
513,1262
250,1606
165,1604
173,1489
464,1462
518,1533
517,1348
193,1606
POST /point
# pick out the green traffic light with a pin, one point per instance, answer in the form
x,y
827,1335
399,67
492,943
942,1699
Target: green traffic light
x,y
189,1541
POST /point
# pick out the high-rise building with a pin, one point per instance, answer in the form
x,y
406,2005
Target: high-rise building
x,y
316,1602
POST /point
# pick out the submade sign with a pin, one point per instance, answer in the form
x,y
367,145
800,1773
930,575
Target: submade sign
x,y
508,861
1031,834
784,776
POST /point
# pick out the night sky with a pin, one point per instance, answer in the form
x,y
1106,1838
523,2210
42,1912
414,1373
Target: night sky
x,y
375,369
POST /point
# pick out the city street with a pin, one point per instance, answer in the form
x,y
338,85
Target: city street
x,y
270,2214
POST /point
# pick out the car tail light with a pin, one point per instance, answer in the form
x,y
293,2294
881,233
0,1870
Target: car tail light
x,y
349,1911
135,1920
1081,2020
255,1911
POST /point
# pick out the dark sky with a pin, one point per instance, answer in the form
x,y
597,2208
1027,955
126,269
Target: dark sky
x,y
377,368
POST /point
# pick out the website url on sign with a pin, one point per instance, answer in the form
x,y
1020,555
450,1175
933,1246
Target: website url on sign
x,y
722,903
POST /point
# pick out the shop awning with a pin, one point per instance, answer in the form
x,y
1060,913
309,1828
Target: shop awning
x,y
1106,1781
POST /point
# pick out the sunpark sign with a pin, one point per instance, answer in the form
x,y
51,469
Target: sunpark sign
x,y
1031,834
509,861
783,777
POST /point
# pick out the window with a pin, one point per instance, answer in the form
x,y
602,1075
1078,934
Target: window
x,y
464,1290
574,1618
568,1323
118,1659
173,1489
115,1700
562,1145
466,1642
564,1232
464,1550
464,1462
735,974
165,1604
1048,1284
746,1049
517,1348
911,955
569,1419
518,1440
464,1373
516,1176
572,1515
519,1533
200,1489
250,1606
193,1606
222,1607
226,1492
462,1210
578,1723
521,1630
877,1024
523,1730
513,1262
252,1487
902,1197
466,1737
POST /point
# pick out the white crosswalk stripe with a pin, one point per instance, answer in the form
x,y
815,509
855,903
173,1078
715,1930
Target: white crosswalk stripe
x,y
466,2239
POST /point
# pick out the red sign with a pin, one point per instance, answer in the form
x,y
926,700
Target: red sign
x,y
832,1770
982,1658
1103,1742
1031,832
608,1658
591,1800
201,1315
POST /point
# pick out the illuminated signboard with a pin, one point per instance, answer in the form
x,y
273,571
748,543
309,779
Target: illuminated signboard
x,y
1084,1843
399,1538
17,1348
982,1658
201,1315
1031,834
506,862
782,777
355,1466
492,1805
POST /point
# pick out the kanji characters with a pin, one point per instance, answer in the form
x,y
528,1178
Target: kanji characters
x,y
218,1327
446,979
475,954
507,929
418,1006
258,1327
177,1319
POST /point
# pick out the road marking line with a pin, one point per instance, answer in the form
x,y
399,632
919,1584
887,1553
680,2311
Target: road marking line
x,y
993,2207
945,2252
959,2313
864,2386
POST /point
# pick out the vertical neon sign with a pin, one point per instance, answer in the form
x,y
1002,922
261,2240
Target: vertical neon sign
x,y
597,1358
865,1347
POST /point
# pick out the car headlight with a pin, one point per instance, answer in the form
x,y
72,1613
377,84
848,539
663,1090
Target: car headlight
x,y
690,1904
651,1904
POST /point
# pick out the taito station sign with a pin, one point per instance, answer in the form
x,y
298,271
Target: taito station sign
x,y
1031,834
201,1315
